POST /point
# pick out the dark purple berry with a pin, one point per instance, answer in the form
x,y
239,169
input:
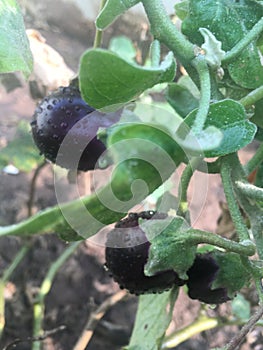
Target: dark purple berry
x,y
201,275
127,253
65,127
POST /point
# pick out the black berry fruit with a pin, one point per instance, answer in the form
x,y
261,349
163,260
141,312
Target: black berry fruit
x,y
65,127
127,253
201,275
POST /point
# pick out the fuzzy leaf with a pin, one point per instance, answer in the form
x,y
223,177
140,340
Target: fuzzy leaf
x,y
229,21
21,152
229,118
112,10
231,274
181,99
106,79
15,54
169,248
124,47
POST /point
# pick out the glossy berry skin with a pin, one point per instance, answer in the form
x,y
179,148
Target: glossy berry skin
x,y
201,275
64,118
127,253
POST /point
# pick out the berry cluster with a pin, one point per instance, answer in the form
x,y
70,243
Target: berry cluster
x,y
127,251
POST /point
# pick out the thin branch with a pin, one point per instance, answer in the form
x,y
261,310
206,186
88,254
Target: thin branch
x,y
39,306
243,43
236,341
95,317
32,189
33,339
99,33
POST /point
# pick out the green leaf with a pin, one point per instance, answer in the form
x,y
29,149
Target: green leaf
x,y
229,118
106,79
112,10
231,274
212,47
15,54
124,47
169,248
21,152
153,318
182,9
196,144
146,156
241,307
229,21
181,99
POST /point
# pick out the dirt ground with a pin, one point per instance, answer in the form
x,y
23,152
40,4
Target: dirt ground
x,y
82,284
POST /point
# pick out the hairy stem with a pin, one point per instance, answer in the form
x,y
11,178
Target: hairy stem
x,y
184,184
155,53
166,32
226,171
243,43
252,97
197,237
251,208
250,191
205,88
255,161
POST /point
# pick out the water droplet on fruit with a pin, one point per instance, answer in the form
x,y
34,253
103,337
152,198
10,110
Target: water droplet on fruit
x,y
64,125
68,112
70,100
40,132
55,136
77,108
49,107
39,110
55,102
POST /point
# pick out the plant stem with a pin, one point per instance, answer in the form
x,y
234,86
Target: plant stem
x,y
209,167
99,33
6,276
250,191
184,184
39,306
252,209
252,97
155,53
236,341
255,161
165,31
243,43
205,88
33,187
95,317
203,323
199,236
226,171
